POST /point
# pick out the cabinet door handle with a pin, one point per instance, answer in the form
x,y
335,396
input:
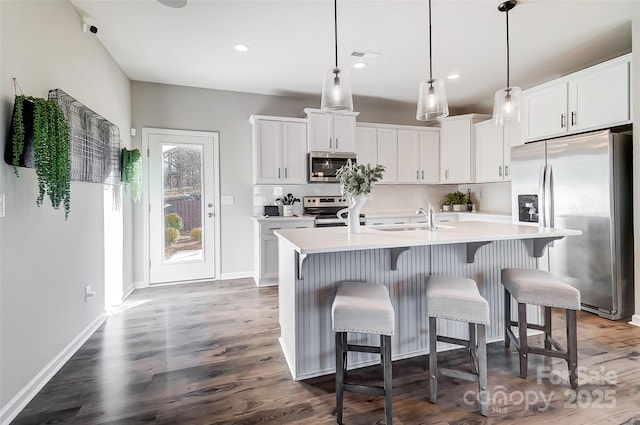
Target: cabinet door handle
x,y
285,173
446,174
417,174
561,120
278,172
499,170
336,143
330,142
506,171
573,118
422,174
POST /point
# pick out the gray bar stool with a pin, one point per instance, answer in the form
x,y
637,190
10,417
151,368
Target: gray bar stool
x,y
537,287
364,308
457,298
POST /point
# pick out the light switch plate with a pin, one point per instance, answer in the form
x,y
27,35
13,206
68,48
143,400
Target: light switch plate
x,y
227,200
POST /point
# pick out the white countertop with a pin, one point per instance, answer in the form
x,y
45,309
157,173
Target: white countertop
x,y
337,239
413,213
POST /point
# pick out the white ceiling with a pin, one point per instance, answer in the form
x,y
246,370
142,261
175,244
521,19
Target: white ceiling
x,y
291,43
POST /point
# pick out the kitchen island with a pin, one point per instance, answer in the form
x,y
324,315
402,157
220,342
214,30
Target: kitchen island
x,y
314,261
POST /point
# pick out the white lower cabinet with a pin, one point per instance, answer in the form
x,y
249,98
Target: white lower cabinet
x,y
265,255
387,220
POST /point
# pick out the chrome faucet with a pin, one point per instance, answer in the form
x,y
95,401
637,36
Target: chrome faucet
x,y
428,216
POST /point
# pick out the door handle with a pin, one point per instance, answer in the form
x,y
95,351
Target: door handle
x,y
337,142
210,204
285,173
422,174
330,142
278,172
506,171
541,195
549,197
417,175
561,120
573,118
210,214
499,170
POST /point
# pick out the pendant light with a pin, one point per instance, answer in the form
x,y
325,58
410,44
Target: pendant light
x,y
336,89
506,105
432,98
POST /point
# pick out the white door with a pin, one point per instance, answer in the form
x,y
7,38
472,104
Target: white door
x,y
183,205
408,156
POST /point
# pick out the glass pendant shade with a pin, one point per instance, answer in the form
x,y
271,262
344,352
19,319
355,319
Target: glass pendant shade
x,y
432,100
336,91
506,105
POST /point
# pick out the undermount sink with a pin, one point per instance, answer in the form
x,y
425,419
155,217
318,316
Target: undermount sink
x,y
411,228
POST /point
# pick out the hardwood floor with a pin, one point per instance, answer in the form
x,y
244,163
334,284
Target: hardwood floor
x,y
208,353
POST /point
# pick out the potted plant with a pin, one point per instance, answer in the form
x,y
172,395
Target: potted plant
x,y
356,182
39,137
454,200
287,204
132,172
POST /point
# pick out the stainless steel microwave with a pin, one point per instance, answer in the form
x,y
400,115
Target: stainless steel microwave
x,y
324,165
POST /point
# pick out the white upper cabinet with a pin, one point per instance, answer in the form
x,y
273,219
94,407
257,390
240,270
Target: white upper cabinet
x,y
367,145
593,98
457,148
379,146
493,150
279,150
388,154
418,156
600,97
331,132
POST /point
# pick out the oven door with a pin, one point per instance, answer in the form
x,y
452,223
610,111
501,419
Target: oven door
x,y
324,165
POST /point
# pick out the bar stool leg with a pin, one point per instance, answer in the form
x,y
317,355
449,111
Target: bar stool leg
x,y
385,351
507,318
522,335
433,361
473,344
572,347
340,368
547,327
483,393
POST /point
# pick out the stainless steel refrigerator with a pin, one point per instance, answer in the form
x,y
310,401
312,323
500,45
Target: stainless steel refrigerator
x,y
582,182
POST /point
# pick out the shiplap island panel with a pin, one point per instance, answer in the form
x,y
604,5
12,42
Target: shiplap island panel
x,y
313,262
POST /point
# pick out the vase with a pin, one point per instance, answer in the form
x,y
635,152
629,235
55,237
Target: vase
x,y
355,205
459,207
287,210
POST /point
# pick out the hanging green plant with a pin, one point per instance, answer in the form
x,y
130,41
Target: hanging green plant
x,y
132,173
50,148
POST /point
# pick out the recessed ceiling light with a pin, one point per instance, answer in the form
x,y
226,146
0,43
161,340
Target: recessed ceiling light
x,y
453,76
359,65
176,4
241,47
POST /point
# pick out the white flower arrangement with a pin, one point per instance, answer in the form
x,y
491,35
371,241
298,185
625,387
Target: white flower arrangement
x,y
357,179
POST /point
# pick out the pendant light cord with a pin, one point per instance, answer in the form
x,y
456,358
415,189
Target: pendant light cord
x,y
335,27
507,12
430,59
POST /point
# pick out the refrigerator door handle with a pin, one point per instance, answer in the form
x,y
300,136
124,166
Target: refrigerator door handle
x,y
541,193
549,197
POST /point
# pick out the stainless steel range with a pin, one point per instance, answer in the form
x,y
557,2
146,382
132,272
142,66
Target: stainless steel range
x,y
325,208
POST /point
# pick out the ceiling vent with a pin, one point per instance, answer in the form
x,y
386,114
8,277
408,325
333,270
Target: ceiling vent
x,y
361,54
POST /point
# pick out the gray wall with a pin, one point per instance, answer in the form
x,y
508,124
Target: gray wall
x,y
176,107
46,261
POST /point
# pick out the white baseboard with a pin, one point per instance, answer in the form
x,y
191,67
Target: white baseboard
x,y
139,285
236,275
635,320
29,391
128,290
